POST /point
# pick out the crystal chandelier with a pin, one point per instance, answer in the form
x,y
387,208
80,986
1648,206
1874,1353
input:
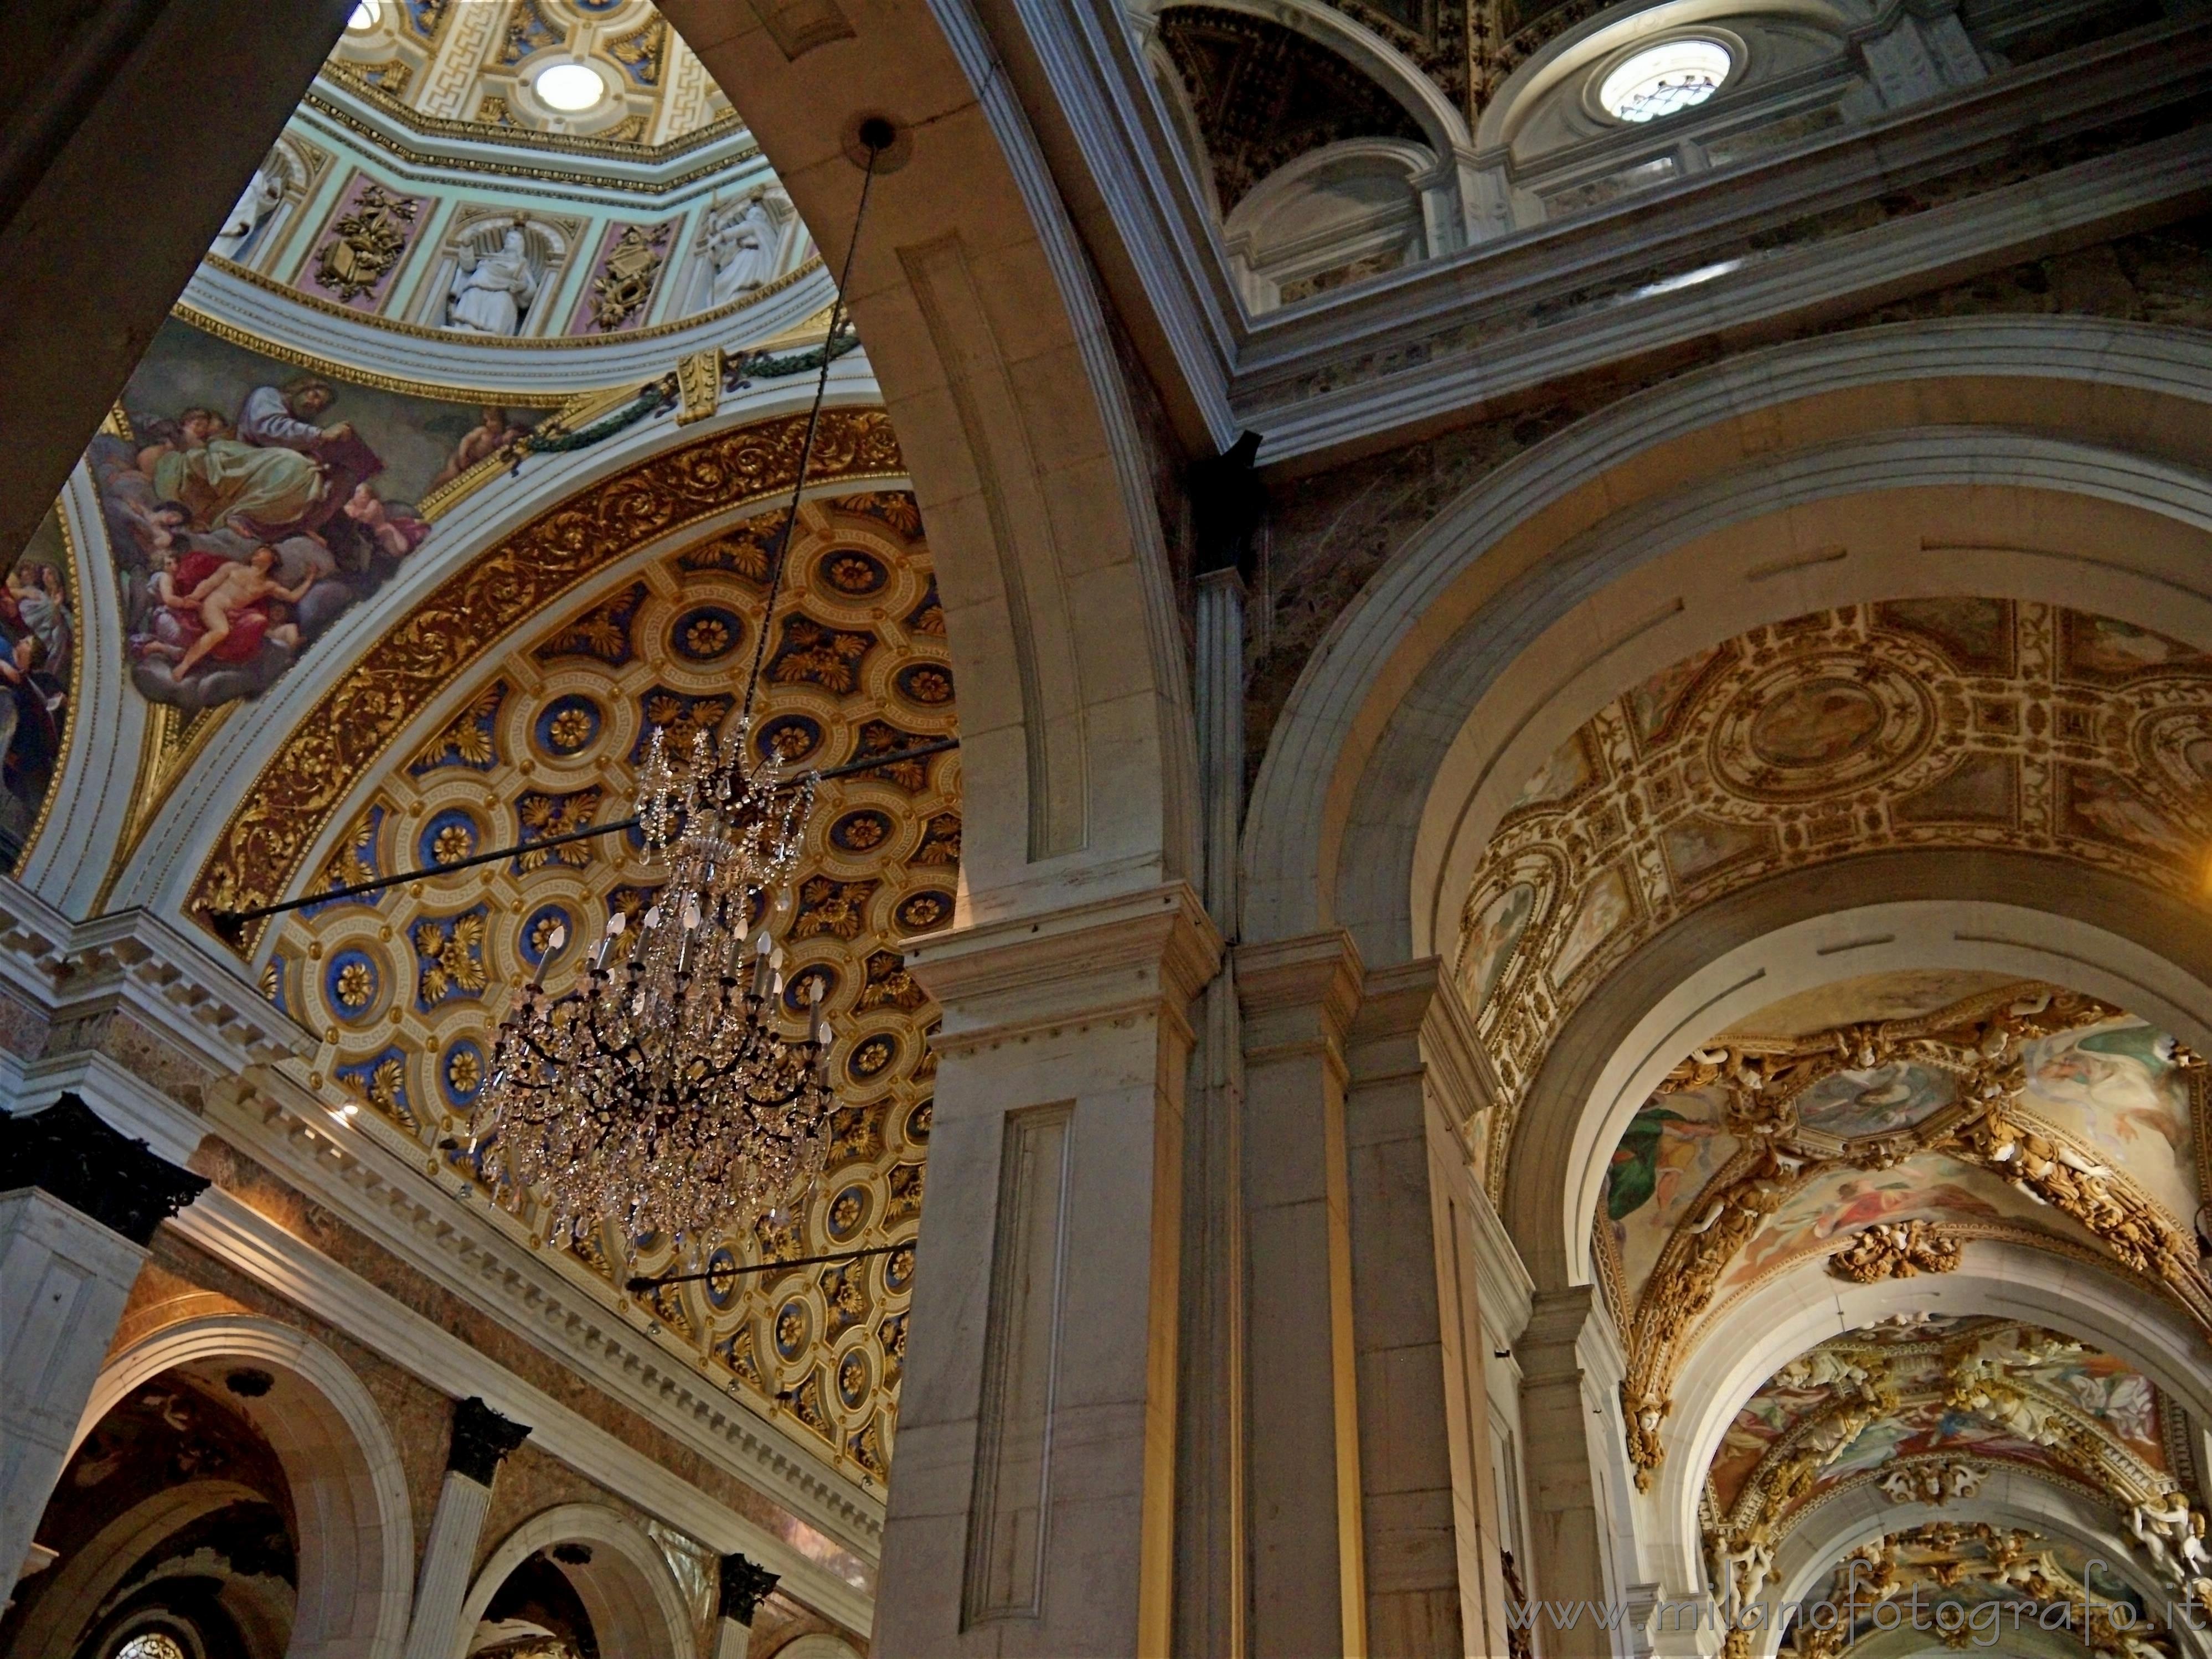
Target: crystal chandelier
x,y
661,1089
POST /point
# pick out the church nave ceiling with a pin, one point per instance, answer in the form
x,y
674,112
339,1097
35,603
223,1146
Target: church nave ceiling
x,y
1943,723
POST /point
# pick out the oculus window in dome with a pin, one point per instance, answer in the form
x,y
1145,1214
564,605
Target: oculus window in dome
x,y
1661,79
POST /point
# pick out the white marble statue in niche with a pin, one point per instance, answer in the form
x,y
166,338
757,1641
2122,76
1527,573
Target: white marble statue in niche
x,y
263,195
493,291
744,243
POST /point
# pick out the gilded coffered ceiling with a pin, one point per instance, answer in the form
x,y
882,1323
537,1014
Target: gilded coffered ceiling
x,y
403,988
1955,723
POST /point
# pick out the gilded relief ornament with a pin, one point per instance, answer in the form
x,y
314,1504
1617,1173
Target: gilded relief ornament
x,y
366,242
1954,723
627,275
1893,1250
1790,1132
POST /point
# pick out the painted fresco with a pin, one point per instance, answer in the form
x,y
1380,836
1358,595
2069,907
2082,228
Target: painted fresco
x,y
1829,1209
2117,1088
1916,1365
1504,919
1905,993
38,651
250,505
1884,1100
1672,1148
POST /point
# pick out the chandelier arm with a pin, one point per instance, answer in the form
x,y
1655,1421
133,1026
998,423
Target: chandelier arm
x,y
806,447
230,925
652,1282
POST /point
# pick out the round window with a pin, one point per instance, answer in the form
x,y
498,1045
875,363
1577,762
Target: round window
x,y
365,17
1662,79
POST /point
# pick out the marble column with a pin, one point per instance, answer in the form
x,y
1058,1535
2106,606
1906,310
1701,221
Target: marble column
x,y
480,1441
744,1586
78,1206
1033,1513
1305,1532
98,238
1432,1533
1559,1399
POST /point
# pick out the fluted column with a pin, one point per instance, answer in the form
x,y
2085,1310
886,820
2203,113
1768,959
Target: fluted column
x,y
1034,1510
744,1586
482,1440
78,1206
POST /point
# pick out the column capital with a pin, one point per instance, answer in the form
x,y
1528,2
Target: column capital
x,y
482,1438
744,1585
1298,993
1144,954
69,1151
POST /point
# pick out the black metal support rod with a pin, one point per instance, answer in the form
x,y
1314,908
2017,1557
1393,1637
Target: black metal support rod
x,y
654,1281
230,925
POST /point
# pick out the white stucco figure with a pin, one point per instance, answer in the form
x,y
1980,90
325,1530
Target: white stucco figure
x,y
263,195
741,241
492,292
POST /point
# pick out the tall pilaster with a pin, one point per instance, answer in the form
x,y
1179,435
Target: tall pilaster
x,y
1210,1585
1558,1397
1034,1511
743,1585
482,1440
1429,1505
1303,1528
78,1206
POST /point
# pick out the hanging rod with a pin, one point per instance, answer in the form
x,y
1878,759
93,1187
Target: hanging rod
x,y
230,925
654,1281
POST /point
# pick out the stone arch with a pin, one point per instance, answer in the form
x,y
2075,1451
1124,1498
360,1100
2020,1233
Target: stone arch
x,y
1350,819
2015,912
992,349
1790,1314
635,1604
348,1488
818,1645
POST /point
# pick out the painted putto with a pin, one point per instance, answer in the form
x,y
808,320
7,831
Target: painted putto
x,y
249,505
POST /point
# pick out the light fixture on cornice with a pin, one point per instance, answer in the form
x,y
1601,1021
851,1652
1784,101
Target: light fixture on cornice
x,y
663,1091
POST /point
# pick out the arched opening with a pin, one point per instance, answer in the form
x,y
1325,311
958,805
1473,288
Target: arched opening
x,y
578,1582
298,1534
173,1522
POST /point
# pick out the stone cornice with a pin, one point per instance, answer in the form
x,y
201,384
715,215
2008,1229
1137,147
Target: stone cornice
x,y
1135,955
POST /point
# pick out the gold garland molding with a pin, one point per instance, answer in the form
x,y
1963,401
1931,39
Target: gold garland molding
x,y
1978,1042
261,848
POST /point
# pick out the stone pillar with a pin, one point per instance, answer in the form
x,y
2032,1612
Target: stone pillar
x,y
744,1585
78,1207
1209,1589
1304,1526
96,243
1431,1530
1034,1508
1557,1404
482,1440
